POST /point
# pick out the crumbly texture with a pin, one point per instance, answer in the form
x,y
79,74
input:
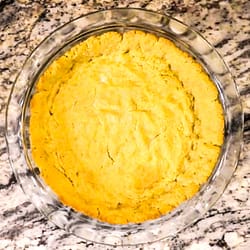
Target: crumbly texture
x,y
125,127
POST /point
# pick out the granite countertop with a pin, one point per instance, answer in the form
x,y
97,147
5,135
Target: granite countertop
x,y
226,24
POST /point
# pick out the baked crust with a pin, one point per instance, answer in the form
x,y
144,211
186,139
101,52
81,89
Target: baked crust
x,y
125,127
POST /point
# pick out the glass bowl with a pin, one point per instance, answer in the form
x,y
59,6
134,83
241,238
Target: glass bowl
x,y
18,116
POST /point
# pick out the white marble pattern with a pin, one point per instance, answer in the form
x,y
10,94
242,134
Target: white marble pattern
x,y
226,24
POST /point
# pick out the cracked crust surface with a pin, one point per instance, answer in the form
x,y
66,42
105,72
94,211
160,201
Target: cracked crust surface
x,y
125,127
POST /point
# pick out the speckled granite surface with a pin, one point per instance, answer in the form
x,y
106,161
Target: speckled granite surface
x,y
226,24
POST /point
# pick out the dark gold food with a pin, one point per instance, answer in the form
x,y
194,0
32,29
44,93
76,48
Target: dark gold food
x,y
125,127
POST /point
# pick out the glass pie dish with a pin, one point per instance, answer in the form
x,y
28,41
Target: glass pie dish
x,y
18,119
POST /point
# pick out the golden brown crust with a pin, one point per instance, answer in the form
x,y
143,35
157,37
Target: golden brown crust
x,y
125,127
